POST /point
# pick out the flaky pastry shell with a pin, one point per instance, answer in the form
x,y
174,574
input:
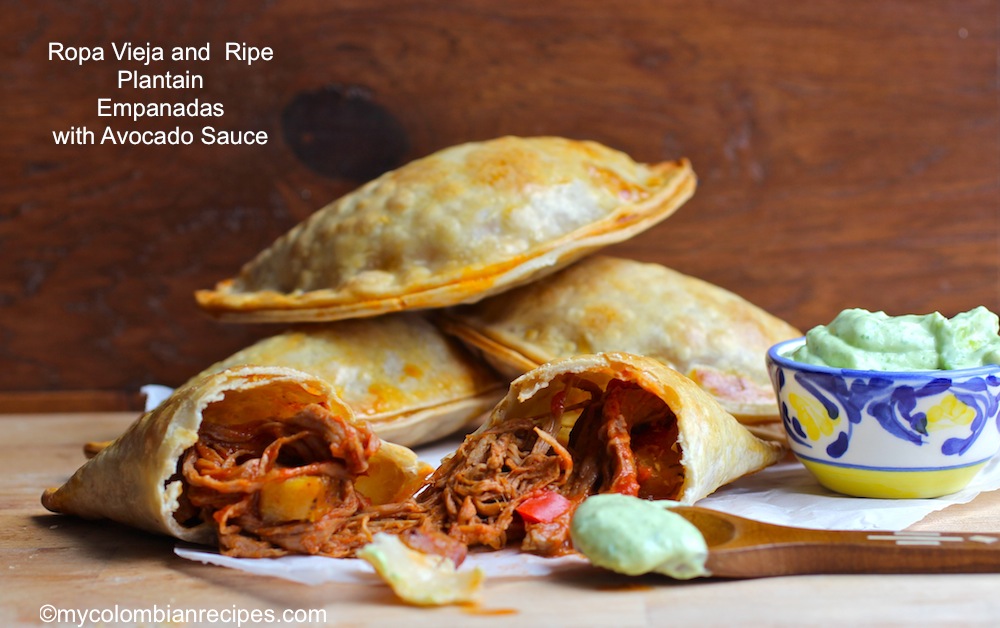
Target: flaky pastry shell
x,y
605,303
713,447
453,227
135,480
411,382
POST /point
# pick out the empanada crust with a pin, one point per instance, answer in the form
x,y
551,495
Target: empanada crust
x,y
716,448
453,227
134,480
412,383
605,304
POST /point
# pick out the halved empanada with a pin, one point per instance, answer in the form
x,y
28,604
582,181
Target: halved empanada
x,y
261,460
604,303
411,382
605,423
463,223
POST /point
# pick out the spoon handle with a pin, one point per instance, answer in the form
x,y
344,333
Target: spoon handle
x,y
777,550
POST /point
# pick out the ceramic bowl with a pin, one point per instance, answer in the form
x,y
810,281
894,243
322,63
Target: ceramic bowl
x,y
887,434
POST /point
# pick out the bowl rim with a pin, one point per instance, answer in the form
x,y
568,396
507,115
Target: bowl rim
x,y
776,355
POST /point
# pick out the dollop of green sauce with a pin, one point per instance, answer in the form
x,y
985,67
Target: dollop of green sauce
x,y
634,536
859,339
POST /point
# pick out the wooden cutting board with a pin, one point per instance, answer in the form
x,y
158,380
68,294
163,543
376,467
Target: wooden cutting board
x,y
76,565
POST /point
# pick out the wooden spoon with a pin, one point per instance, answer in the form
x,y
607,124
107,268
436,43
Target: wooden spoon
x,y
742,548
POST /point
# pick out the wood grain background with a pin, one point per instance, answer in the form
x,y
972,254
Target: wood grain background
x,y
847,152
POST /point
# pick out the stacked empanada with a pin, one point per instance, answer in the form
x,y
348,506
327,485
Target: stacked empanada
x,y
601,304
398,372
463,223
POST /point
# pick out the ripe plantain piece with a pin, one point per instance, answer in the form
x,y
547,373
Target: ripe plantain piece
x,y
453,227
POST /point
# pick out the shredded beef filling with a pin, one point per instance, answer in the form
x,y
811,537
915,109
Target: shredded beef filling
x,y
621,439
231,468
624,440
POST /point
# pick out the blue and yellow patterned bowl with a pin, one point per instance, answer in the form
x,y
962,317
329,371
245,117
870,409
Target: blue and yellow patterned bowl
x,y
887,434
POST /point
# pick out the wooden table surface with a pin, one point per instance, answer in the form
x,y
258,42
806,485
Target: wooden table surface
x,y
847,153
73,565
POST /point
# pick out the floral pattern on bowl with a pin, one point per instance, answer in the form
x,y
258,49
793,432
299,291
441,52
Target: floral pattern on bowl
x,y
886,421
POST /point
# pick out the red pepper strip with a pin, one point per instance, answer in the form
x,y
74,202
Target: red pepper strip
x,y
558,404
543,506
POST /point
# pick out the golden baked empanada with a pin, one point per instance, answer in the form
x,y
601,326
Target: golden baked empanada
x,y
399,372
605,423
605,303
262,461
463,223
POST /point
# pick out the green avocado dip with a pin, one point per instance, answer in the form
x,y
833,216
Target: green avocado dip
x,y
634,536
859,339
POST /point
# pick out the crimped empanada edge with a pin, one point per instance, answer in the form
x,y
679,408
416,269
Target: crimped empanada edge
x,y
329,305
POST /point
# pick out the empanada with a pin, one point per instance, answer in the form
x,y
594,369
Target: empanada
x,y
453,227
605,303
261,460
602,423
399,372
